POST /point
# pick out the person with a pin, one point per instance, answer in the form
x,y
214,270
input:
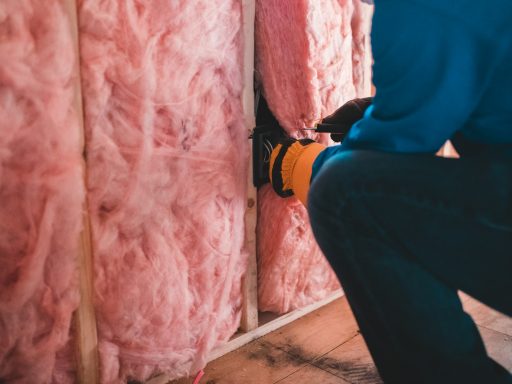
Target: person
x,y
404,229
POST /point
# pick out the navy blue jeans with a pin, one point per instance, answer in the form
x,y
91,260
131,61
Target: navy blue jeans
x,y
404,233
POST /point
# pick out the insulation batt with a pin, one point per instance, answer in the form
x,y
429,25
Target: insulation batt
x,y
312,56
167,156
297,274
41,192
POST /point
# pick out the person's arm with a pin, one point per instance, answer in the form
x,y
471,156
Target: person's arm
x,y
430,71
291,162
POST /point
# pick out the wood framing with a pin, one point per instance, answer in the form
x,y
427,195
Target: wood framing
x,y
270,325
267,324
86,336
253,325
250,280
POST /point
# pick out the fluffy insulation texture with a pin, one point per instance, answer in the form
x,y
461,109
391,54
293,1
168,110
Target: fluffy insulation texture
x,y
167,155
312,56
296,272
41,191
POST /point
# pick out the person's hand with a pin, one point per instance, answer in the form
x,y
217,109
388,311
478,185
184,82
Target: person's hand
x,y
291,166
345,116
282,162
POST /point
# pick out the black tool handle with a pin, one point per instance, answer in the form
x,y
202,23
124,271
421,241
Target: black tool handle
x,y
341,129
338,131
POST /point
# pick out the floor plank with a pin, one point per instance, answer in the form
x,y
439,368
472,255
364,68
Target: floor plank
x,y
257,363
488,317
316,333
310,374
324,347
351,361
498,345
185,380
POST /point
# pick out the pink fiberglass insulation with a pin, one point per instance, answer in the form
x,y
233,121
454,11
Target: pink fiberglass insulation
x,y
297,273
41,191
311,57
167,156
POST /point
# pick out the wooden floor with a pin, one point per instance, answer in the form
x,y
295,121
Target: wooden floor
x,y
325,347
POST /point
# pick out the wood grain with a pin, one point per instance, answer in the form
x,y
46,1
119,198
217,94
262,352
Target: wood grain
x,y
86,336
256,363
325,347
266,327
487,317
318,332
250,280
310,374
498,345
350,361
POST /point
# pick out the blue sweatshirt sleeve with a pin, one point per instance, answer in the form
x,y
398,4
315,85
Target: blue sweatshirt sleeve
x,y
430,70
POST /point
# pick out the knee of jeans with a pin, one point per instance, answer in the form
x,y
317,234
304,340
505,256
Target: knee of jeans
x,y
330,186
334,180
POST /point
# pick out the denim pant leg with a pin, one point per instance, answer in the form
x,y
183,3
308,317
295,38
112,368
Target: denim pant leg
x,y
404,233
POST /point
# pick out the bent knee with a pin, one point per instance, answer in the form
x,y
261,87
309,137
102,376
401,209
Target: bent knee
x,y
338,177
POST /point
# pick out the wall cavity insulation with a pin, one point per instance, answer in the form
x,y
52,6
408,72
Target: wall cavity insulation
x,y
126,118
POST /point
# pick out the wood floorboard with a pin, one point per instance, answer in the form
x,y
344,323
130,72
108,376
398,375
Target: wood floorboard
x,y
488,317
316,333
498,345
325,347
257,363
310,374
350,361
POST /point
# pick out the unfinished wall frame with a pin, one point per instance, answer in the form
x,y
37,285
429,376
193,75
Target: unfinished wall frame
x,y
250,281
253,325
84,318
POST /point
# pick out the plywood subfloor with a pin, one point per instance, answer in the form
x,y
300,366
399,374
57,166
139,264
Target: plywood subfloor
x,y
325,347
